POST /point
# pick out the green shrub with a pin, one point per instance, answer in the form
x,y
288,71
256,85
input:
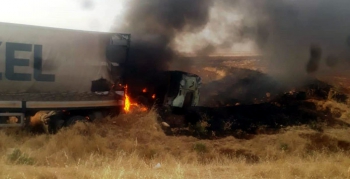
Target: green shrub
x,y
200,148
284,147
19,158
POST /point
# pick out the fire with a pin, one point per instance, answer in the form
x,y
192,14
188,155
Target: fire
x,y
144,90
143,109
128,103
154,96
127,100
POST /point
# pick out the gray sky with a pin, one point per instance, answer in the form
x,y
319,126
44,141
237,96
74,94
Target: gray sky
x,y
71,14
101,15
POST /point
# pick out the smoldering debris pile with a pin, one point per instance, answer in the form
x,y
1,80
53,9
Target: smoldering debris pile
x,y
245,87
296,107
240,87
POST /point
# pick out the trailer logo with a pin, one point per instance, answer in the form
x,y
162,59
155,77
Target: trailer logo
x,y
11,62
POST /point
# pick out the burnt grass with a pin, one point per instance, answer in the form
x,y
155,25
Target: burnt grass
x,y
244,121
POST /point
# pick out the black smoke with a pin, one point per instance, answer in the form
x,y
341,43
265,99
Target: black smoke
x,y
296,37
154,25
284,31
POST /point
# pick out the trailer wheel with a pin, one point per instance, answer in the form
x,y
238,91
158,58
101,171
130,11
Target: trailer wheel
x,y
54,124
72,120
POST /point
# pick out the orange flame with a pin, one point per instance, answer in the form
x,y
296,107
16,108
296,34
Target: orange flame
x,y
144,90
128,103
127,100
153,96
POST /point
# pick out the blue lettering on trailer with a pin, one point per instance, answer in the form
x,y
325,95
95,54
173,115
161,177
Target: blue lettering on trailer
x,y
11,62
38,65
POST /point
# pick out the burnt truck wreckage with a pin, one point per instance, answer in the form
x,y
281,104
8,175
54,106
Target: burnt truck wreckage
x,y
175,89
71,75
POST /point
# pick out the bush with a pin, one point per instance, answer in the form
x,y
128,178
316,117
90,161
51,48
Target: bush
x,y
201,127
284,147
200,148
17,157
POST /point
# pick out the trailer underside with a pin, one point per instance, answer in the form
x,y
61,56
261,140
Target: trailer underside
x,y
17,113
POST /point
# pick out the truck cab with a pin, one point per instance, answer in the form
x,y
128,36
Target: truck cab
x,y
173,89
183,90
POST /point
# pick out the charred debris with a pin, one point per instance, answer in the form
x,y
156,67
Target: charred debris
x,y
267,116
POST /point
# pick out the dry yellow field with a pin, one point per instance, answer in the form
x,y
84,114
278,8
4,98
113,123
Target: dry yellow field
x,y
135,146
131,146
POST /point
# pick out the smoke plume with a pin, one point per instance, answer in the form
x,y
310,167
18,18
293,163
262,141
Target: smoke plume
x,y
155,23
297,37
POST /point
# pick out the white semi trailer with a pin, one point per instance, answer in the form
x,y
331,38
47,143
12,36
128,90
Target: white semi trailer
x,y
75,75
77,72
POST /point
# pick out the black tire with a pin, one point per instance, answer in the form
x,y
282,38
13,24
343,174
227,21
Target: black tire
x,y
55,123
72,120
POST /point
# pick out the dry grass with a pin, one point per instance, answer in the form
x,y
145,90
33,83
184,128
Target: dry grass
x,y
339,110
220,74
129,146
